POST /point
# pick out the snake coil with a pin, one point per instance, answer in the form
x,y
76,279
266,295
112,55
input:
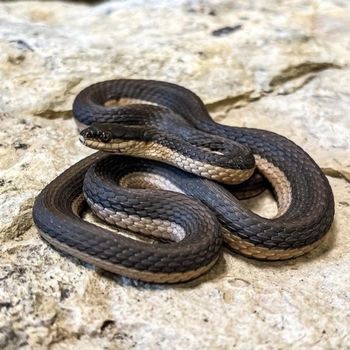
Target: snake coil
x,y
173,178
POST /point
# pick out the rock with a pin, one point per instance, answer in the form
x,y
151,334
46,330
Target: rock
x,y
254,64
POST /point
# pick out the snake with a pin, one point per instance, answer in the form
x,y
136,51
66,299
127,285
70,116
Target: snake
x,y
170,178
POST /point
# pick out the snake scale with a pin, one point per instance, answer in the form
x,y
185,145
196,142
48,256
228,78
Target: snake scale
x,y
173,177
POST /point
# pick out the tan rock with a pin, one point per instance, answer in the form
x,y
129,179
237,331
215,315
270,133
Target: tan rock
x,y
282,68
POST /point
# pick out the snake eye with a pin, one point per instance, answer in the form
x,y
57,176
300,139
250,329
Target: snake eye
x,y
86,133
105,136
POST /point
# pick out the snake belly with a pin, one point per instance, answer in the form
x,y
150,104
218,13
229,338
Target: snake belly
x,y
185,221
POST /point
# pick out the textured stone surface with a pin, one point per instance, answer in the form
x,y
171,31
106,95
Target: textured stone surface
x,y
282,68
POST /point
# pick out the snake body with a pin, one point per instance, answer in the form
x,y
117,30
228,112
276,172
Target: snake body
x,y
170,126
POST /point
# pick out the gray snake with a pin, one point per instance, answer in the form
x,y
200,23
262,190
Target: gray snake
x,y
170,126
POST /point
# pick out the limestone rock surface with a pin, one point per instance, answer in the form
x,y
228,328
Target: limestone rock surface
x,y
281,66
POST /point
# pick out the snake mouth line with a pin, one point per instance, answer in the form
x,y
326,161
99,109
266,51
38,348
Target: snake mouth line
x,y
82,140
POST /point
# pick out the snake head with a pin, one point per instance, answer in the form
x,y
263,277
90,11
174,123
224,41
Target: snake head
x,y
114,137
96,133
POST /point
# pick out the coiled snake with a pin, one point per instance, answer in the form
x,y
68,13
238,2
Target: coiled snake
x,y
175,196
